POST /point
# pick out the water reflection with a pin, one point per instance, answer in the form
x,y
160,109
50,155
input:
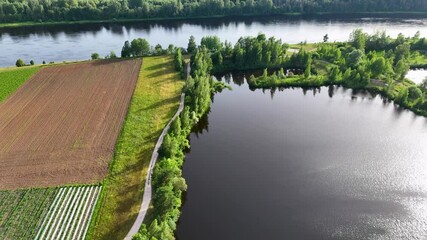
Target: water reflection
x,y
331,90
332,164
78,41
239,78
202,126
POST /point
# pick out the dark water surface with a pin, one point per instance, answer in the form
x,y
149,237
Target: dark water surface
x,y
325,164
77,42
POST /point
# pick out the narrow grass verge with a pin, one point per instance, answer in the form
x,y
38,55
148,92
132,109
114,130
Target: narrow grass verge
x,y
12,78
154,102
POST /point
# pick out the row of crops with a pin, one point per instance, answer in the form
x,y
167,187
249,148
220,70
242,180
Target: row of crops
x,y
69,214
22,211
49,213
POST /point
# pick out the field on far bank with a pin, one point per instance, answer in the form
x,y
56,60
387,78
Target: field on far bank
x,y
60,127
155,101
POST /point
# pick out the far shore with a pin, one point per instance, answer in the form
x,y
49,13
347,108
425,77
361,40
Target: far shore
x,y
138,20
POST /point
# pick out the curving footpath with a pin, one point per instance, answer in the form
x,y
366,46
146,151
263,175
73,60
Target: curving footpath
x,y
146,199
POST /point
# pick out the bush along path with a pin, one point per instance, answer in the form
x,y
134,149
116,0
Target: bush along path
x,y
167,181
146,199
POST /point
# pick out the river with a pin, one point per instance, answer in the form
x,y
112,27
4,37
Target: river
x,y
77,42
329,163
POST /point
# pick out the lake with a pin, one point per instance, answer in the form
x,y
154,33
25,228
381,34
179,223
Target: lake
x,y
77,42
330,163
417,75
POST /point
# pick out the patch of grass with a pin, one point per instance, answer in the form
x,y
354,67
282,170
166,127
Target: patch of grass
x,y
398,86
309,47
155,100
322,67
418,59
12,78
290,81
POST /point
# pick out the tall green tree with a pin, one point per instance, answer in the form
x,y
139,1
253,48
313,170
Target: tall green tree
x,y
401,52
307,72
94,56
212,43
325,38
423,85
355,59
358,39
178,60
335,75
402,97
378,67
126,50
139,47
401,69
414,92
192,46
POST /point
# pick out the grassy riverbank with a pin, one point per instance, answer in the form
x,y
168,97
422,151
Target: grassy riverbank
x,y
154,102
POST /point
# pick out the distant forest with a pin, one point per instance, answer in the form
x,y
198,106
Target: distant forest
x,y
74,10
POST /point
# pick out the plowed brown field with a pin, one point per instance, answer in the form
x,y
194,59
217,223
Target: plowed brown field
x,y
61,126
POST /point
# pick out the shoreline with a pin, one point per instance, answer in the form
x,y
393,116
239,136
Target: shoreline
x,y
16,25
323,81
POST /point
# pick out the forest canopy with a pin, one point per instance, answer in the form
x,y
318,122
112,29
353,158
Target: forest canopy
x,y
75,10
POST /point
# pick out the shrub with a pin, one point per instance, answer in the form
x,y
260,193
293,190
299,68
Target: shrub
x,y
414,92
20,63
94,56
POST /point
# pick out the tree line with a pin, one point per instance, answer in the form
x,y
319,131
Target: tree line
x,y
168,183
73,10
357,63
375,62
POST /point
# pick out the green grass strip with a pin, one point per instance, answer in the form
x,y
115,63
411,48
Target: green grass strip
x,y
155,100
11,79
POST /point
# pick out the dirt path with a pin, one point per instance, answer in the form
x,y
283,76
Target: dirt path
x,y
146,199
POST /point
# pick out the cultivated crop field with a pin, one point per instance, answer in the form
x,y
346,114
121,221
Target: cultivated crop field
x,y
69,214
60,127
22,211
49,213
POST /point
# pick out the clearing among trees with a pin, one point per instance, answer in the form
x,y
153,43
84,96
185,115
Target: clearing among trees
x,y
61,126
